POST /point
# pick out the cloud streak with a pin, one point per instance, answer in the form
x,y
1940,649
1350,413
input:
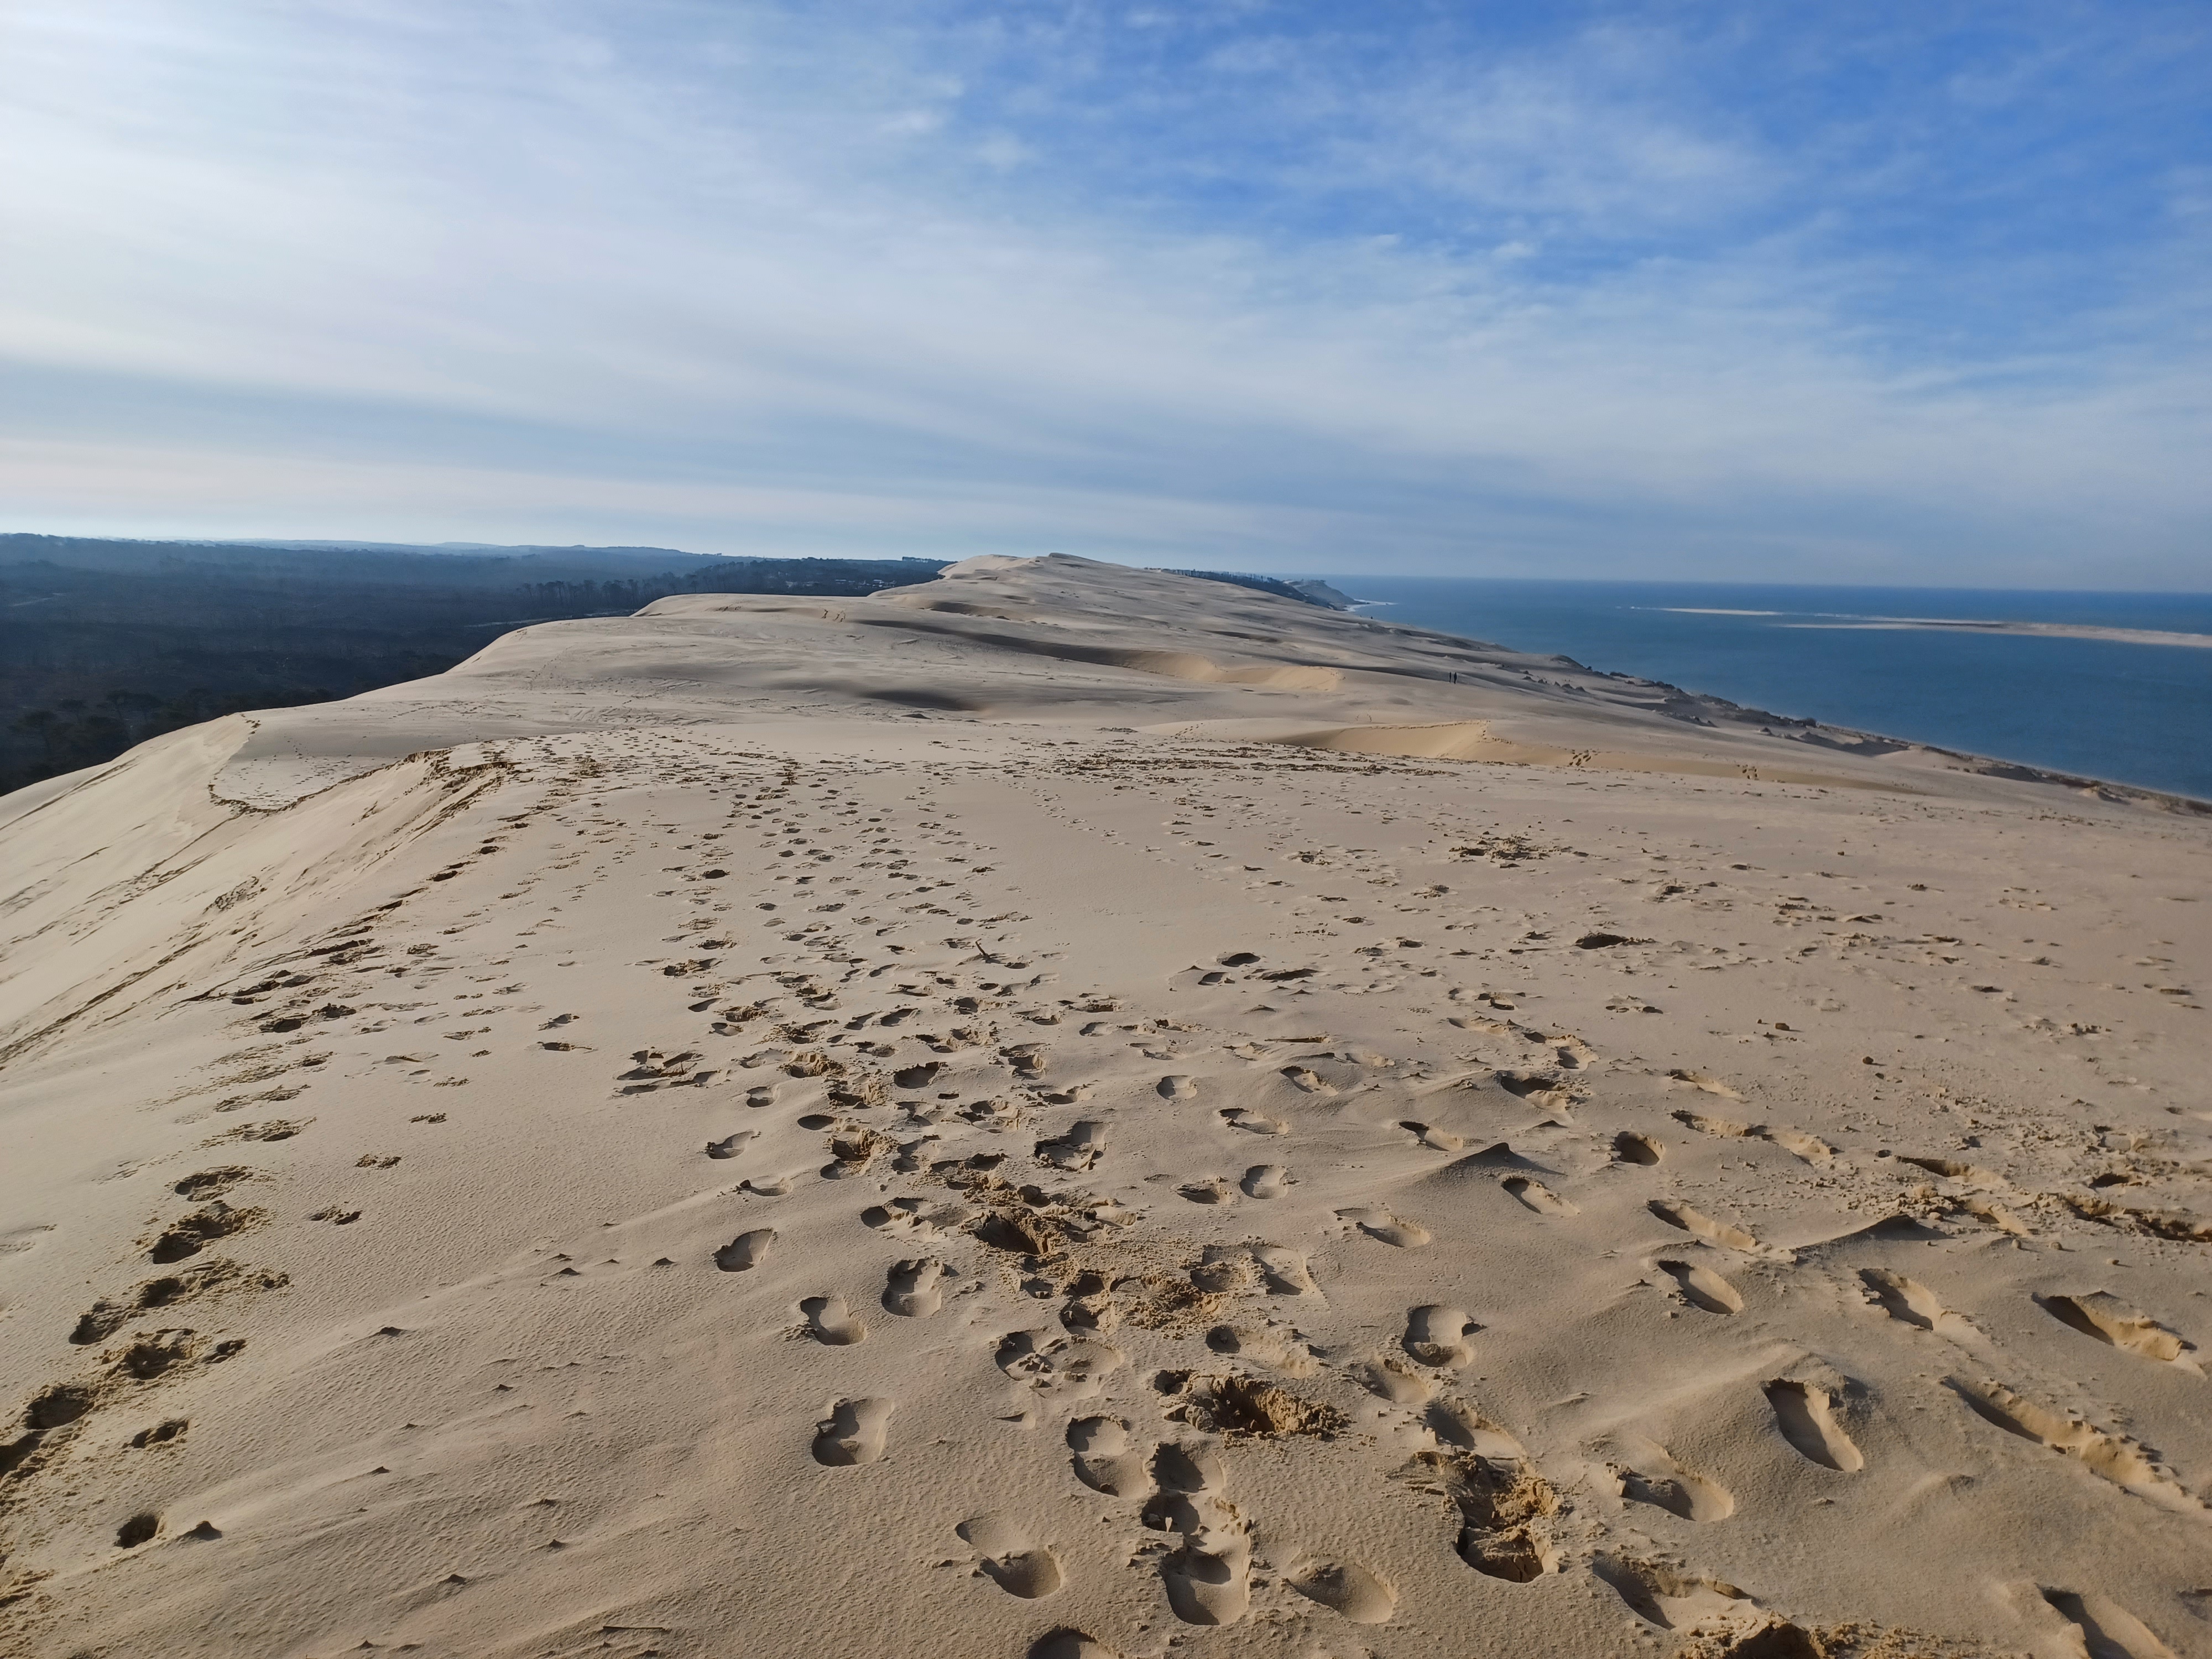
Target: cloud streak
x,y
1228,285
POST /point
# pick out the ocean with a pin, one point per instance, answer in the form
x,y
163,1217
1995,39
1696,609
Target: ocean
x,y
1946,667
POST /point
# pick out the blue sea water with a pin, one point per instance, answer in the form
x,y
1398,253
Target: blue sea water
x,y
2120,710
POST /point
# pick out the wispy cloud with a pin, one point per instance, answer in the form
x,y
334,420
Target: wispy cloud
x,y
1223,282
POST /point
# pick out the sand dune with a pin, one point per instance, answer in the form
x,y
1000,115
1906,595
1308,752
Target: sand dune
x,y
1070,1111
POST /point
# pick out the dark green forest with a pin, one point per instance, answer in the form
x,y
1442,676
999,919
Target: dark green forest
x,y
104,644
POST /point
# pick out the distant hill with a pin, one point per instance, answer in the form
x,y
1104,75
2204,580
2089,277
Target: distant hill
x,y
468,547
456,564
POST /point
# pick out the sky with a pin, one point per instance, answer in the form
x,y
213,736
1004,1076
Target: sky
x,y
1878,292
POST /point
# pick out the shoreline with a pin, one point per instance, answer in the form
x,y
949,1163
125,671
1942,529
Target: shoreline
x,y
2056,770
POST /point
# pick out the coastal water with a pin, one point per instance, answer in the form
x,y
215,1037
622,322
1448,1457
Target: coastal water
x,y
2116,708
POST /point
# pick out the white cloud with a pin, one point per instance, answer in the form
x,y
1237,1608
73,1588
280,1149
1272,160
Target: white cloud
x,y
741,281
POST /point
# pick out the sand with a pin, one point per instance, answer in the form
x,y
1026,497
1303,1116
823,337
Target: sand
x,y
1073,1112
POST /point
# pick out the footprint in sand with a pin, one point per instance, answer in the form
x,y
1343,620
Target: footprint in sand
x,y
1541,1089
1389,1379
1345,1587
1666,1596
1079,1149
1266,1180
2118,1458
766,1186
1701,1287
1436,1335
1630,1147
1725,1128
1211,1190
1649,1474
2101,1315
831,1322
1811,1148
1009,1559
1805,1413
1208,1576
1501,1508
1283,1273
852,1432
1052,1362
1270,1345
1429,1136
1308,1080
2108,1631
1710,1085
1911,1302
1106,1459
1177,1087
1456,1423
730,1146
1702,1225
1065,1644
1209,1586
745,1251
1196,1467
914,1290
1087,1308
1389,1228
1534,1194
900,1215
1257,1123
1029,1060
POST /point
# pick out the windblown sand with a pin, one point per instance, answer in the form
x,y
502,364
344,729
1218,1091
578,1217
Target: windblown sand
x,y
1072,1112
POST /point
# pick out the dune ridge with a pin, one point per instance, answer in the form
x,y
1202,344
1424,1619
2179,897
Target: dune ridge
x,y
1074,1111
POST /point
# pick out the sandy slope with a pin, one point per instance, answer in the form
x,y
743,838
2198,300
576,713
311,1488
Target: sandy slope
x,y
1071,1101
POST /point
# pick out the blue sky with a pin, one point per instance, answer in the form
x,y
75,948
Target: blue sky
x,y
1828,293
